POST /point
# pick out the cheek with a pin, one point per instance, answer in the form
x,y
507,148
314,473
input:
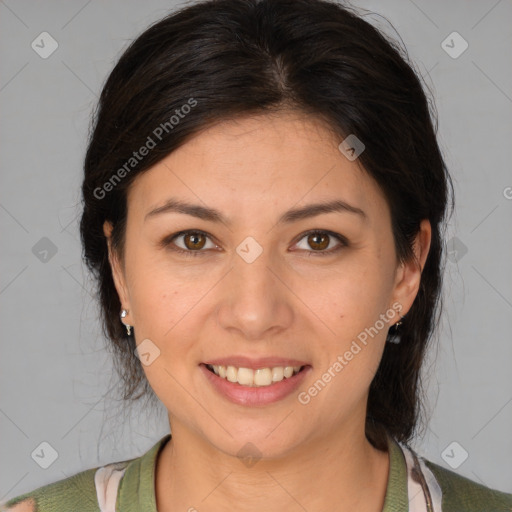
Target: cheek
x,y
164,315
348,360
160,306
357,293
170,311
156,292
354,303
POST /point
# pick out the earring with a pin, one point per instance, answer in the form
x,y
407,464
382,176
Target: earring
x,y
393,334
124,312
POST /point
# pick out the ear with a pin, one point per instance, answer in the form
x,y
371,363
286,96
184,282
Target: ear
x,y
408,275
117,272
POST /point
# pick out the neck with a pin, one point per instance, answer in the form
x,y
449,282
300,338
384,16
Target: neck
x,y
345,470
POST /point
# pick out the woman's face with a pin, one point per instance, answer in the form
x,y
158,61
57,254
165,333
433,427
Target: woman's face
x,y
256,289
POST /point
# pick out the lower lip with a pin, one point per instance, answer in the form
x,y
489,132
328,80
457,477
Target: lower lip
x,y
261,395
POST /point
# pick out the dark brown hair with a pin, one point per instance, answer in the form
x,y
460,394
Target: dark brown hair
x,y
229,58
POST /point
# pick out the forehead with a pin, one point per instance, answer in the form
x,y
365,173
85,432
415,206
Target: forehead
x,y
264,162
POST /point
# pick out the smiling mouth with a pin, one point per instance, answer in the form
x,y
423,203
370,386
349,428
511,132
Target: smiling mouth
x,y
260,377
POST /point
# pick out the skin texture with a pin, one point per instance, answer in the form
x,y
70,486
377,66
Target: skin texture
x,y
290,302
27,505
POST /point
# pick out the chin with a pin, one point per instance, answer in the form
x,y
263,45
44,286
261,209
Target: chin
x,y
269,439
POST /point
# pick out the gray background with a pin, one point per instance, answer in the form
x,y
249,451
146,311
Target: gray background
x,y
54,371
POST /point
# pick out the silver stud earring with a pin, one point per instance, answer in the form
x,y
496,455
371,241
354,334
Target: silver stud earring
x,y
124,312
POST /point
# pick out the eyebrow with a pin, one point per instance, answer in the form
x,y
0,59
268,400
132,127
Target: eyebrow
x,y
212,215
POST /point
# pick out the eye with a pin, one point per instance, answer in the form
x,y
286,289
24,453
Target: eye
x,y
320,240
193,242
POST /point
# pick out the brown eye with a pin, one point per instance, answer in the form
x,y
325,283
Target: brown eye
x,y
318,241
188,243
194,241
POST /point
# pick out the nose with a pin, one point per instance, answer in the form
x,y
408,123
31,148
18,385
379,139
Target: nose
x,y
255,302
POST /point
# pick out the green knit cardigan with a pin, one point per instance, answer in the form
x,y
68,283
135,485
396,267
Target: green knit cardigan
x,y
133,489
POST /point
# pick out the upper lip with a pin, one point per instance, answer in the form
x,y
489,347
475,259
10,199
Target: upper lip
x,y
255,363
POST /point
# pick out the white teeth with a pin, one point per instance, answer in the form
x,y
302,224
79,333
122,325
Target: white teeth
x,y
259,377
245,376
231,373
262,377
277,373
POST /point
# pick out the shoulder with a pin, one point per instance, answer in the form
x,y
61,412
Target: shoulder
x,y
97,489
462,494
61,495
79,492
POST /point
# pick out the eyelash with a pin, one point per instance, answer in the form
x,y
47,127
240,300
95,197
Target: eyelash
x,y
167,241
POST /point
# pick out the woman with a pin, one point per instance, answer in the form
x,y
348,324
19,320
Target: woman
x,y
264,205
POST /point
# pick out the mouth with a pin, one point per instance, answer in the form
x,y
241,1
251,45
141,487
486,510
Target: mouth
x,y
256,384
254,377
